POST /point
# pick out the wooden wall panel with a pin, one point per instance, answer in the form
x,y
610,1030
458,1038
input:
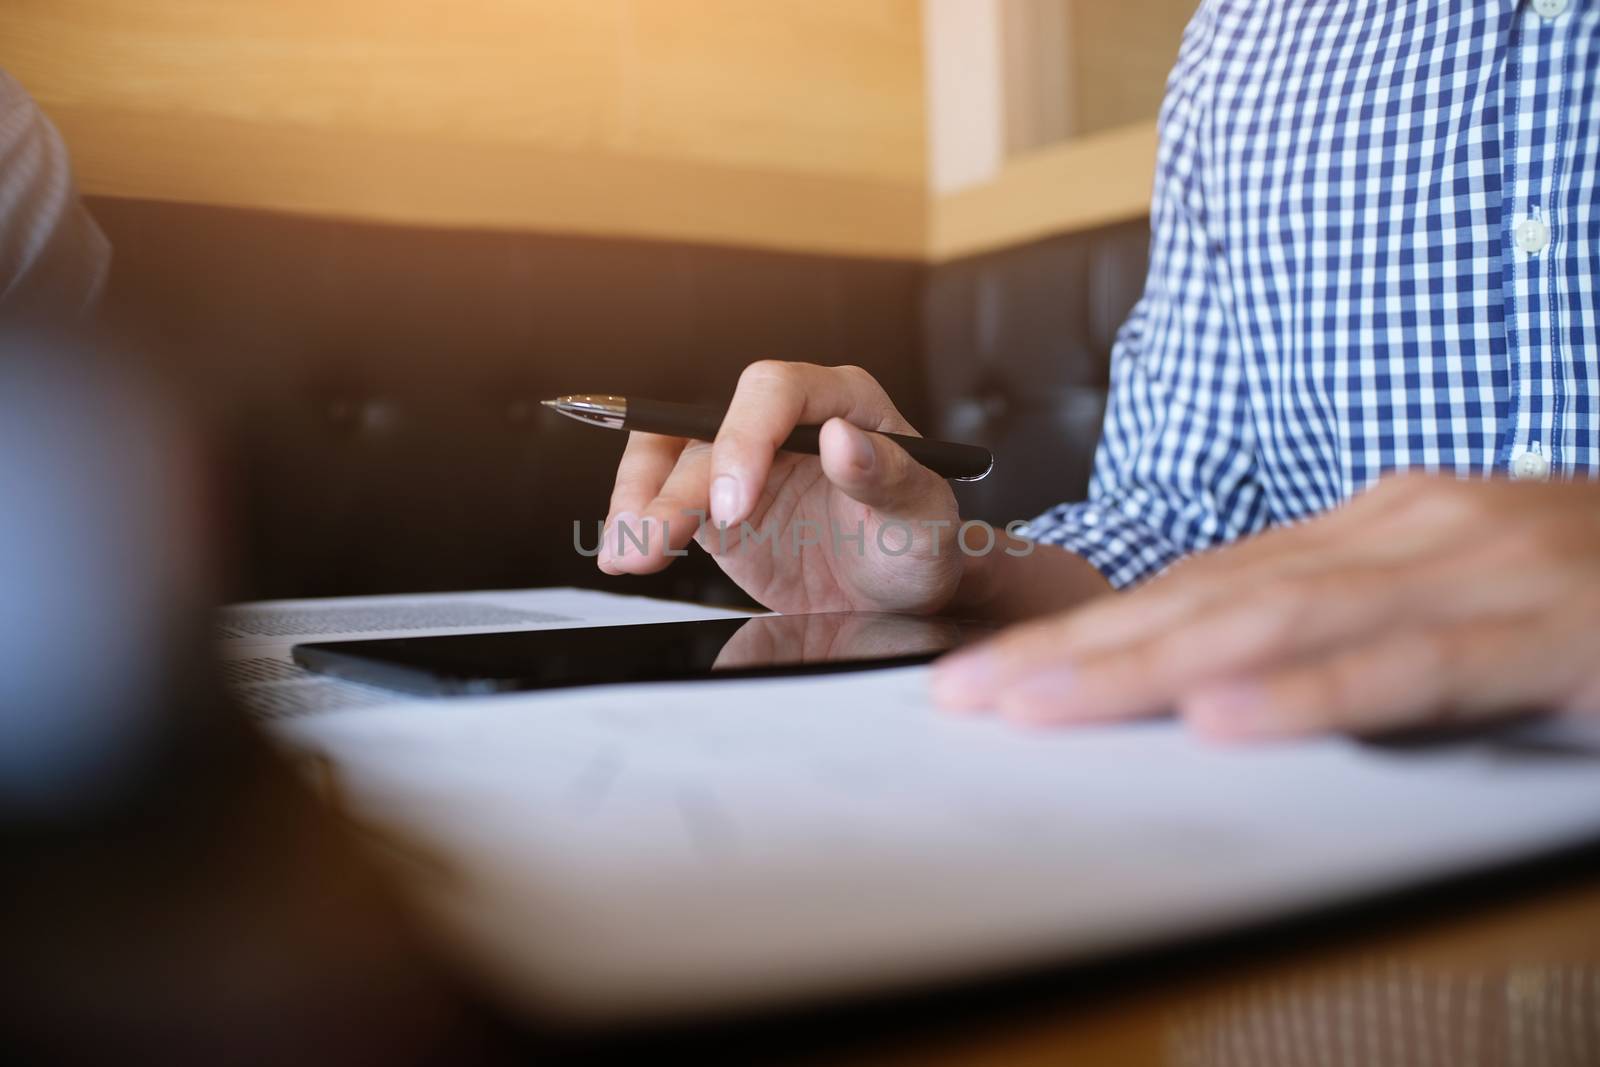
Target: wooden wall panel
x,y
780,123
1122,53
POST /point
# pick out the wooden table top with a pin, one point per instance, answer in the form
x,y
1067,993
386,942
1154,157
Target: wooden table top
x,y
1504,971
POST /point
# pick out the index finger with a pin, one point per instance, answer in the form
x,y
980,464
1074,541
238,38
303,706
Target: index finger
x,y
646,462
773,398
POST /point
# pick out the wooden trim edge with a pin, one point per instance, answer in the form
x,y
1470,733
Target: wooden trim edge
x,y
477,185
1092,181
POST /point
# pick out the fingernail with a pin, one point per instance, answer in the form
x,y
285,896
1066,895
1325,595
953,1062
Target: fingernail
x,y
621,536
603,557
964,679
1044,694
726,498
1236,710
862,454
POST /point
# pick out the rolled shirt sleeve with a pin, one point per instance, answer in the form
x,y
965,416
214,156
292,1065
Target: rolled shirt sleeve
x,y
1175,471
53,258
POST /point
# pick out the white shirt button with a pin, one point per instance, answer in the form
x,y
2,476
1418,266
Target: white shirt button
x,y
1532,236
1530,467
1550,8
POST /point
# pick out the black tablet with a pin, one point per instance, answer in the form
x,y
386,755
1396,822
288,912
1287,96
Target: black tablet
x,y
650,652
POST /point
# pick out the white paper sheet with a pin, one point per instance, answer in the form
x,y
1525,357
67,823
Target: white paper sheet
x,y
646,850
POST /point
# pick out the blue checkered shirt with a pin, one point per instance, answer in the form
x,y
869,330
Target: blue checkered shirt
x,y
1375,246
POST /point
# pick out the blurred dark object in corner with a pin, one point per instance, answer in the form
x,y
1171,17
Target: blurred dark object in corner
x,y
171,892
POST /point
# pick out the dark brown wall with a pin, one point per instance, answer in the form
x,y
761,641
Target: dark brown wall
x,y
375,389
1016,348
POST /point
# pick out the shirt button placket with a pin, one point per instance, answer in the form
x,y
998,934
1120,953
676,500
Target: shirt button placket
x,y
1530,465
1532,236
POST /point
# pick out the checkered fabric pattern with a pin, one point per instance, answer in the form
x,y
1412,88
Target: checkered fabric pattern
x,y
53,258
1376,246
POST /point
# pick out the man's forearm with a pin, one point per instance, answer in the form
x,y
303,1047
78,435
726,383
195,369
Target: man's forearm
x,y
1009,588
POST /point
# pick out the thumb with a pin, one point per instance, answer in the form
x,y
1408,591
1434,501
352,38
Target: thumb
x,y
875,471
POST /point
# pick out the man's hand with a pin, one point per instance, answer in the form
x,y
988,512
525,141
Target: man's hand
x,y
1426,600
862,526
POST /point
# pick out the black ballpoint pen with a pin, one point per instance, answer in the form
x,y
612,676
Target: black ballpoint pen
x,y
964,463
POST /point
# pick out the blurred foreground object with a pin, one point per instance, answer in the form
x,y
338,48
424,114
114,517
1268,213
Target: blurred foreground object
x,y
98,558
171,893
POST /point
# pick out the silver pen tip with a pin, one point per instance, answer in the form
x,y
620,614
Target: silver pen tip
x,y
593,408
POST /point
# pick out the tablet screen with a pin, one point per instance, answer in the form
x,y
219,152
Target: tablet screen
x,y
653,652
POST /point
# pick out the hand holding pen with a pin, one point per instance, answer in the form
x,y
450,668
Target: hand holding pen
x,y
883,525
